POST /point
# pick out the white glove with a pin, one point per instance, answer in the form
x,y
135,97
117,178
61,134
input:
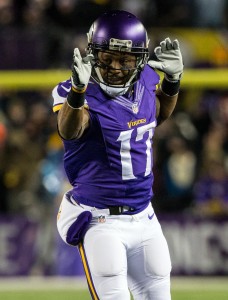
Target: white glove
x,y
81,70
169,59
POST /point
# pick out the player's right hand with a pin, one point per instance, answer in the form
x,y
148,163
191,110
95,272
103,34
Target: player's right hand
x,y
81,70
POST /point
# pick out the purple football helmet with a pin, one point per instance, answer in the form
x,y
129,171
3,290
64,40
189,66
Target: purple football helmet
x,y
118,30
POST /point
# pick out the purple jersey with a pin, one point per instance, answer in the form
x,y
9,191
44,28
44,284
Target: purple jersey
x,y
111,164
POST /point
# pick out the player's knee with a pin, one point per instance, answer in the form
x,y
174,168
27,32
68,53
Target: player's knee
x,y
158,265
163,271
160,269
108,269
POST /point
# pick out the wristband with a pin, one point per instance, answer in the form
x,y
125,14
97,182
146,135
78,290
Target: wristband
x,y
170,88
75,99
80,88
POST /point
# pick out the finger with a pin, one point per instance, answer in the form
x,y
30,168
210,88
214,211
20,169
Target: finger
x,y
176,45
77,54
169,45
76,61
75,76
76,69
158,50
163,46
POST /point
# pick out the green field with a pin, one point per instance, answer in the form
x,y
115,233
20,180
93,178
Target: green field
x,y
62,289
83,295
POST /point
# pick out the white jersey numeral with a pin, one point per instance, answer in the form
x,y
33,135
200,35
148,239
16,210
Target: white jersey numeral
x,y
125,149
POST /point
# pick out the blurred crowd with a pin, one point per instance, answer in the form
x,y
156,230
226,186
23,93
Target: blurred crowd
x,y
191,169
190,149
38,34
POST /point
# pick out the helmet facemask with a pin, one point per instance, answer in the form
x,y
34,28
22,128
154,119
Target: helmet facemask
x,y
104,73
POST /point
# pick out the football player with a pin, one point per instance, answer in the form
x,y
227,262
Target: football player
x,y
107,114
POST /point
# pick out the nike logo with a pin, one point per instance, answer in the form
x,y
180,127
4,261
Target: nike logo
x,y
66,89
150,217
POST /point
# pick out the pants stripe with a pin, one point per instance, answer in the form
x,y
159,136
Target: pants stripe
x,y
87,272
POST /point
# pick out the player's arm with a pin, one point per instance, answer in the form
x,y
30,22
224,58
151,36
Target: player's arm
x,y
165,105
73,118
170,62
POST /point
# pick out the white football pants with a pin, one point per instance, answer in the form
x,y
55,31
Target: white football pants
x,y
122,253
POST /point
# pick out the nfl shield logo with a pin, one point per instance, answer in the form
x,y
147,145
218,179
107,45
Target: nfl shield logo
x,y
101,219
135,108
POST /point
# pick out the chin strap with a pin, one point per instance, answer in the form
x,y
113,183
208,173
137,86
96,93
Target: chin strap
x,y
114,91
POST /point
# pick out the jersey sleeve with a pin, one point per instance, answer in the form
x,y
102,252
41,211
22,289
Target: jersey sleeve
x,y
59,94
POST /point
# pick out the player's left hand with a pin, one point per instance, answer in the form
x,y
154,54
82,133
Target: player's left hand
x,y
169,59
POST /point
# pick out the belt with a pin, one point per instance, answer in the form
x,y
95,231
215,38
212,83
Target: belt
x,y
118,210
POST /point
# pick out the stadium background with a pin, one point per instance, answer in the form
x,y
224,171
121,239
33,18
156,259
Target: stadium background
x,y
37,38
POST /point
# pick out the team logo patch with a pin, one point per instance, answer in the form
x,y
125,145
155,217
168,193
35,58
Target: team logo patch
x,y
101,219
